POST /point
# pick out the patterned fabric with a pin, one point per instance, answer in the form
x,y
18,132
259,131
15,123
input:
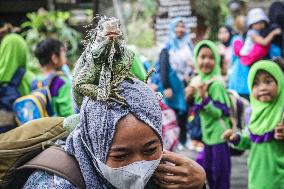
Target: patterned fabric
x,y
45,180
97,128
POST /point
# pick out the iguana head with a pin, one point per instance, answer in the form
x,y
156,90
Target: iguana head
x,y
108,29
107,40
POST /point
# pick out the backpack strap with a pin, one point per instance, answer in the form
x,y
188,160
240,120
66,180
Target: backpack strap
x,y
57,161
18,76
52,76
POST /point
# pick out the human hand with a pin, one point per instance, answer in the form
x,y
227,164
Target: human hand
x,y
279,132
202,89
230,135
189,91
179,173
277,31
154,87
168,93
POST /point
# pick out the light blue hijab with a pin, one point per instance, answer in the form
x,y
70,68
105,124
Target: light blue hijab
x,y
174,42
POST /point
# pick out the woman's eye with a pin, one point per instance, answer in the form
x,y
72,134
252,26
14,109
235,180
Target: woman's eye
x,y
119,157
150,151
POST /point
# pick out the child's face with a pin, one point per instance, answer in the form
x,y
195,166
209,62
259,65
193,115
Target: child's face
x,y
59,61
205,60
264,87
223,34
258,26
180,30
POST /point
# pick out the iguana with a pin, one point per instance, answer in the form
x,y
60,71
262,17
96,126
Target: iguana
x,y
105,63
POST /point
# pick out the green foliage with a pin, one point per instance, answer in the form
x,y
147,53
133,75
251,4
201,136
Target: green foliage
x,y
43,24
138,38
139,20
214,12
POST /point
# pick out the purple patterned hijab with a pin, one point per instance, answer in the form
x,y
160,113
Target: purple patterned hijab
x,y
98,126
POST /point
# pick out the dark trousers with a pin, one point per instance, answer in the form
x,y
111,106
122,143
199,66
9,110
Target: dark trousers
x,y
217,165
181,121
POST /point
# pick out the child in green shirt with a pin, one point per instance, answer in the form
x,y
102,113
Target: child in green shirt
x,y
266,157
51,55
212,102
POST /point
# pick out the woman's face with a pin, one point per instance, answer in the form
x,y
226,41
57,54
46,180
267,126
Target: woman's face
x,y
264,87
133,141
180,30
205,60
223,34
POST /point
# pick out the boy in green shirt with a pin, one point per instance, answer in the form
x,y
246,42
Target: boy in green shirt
x,y
51,55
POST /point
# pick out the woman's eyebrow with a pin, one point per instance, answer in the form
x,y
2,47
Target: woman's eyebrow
x,y
119,149
151,142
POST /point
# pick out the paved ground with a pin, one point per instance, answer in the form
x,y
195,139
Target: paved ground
x,y
239,169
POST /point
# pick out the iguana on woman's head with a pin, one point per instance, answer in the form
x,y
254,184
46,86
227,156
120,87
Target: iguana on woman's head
x,y
105,63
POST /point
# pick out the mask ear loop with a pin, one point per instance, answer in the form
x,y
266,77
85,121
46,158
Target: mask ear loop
x,y
94,160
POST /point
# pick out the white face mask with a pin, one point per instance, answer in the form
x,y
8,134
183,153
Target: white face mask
x,y
132,176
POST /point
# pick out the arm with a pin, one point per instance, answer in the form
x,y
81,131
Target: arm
x,y
164,63
264,41
239,141
244,142
84,80
25,85
217,103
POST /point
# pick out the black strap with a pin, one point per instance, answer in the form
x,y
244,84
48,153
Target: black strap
x,y
57,161
18,76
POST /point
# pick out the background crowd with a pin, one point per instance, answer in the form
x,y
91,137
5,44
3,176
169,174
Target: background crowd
x,y
198,82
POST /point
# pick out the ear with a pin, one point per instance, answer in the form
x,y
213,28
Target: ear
x,y
54,59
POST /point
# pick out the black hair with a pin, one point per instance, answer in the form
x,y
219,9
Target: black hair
x,y
222,58
261,21
202,46
279,61
46,48
231,33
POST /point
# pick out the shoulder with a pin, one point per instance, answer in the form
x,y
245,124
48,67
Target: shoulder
x,y
217,86
29,76
59,82
42,179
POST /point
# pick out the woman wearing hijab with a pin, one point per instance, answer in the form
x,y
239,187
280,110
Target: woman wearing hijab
x,y
176,67
121,146
13,55
225,35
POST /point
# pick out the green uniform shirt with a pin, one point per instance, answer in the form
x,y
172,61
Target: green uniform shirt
x,y
265,163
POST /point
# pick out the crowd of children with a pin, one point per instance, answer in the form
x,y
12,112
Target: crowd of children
x,y
194,81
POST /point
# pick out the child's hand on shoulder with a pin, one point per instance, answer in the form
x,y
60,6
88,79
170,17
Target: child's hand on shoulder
x,y
279,132
277,31
230,136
